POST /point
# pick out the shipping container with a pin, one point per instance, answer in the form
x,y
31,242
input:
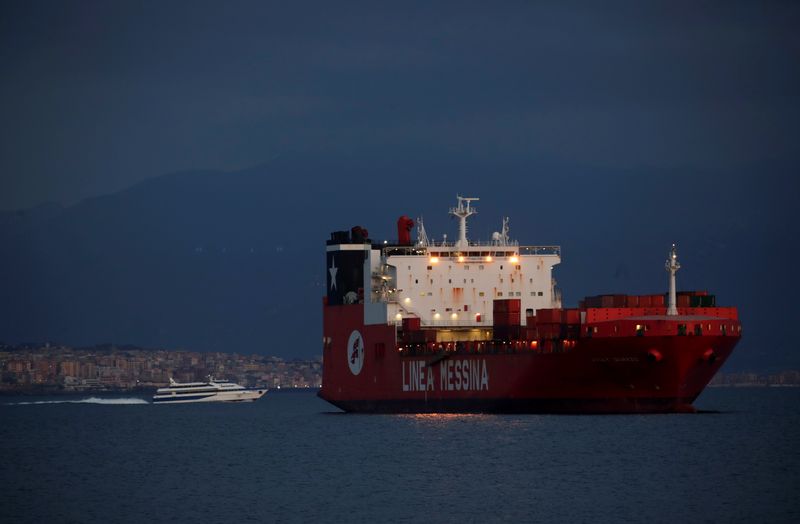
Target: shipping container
x,y
509,304
709,301
411,324
571,316
545,316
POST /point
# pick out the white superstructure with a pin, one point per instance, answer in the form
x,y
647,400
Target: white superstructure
x,y
454,284
211,391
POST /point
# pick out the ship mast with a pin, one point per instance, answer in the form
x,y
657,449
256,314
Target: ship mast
x,y
462,211
422,236
672,266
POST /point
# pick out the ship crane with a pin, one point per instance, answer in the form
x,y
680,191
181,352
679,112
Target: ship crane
x,y
672,266
462,211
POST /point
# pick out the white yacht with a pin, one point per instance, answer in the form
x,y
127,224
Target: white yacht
x,y
211,391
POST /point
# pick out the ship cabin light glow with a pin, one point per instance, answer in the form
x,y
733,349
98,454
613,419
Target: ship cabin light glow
x,y
398,316
454,316
514,259
434,260
437,316
407,300
488,258
460,258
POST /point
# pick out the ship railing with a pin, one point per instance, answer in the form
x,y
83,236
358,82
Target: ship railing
x,y
484,249
448,322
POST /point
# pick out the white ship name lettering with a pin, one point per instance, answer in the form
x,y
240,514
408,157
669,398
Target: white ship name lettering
x,y
463,375
454,375
419,378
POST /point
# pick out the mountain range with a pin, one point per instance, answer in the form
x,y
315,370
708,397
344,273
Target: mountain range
x,y
234,260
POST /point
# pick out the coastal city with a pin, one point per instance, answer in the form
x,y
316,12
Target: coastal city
x,y
49,368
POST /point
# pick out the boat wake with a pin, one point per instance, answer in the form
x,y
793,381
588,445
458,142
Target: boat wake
x,y
90,400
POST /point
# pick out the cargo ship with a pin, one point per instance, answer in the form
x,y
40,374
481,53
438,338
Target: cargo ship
x,y
418,326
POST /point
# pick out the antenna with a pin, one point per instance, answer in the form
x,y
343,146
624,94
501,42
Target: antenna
x,y
462,211
422,236
501,238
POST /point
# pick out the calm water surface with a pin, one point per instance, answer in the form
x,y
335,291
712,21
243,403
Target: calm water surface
x,y
292,457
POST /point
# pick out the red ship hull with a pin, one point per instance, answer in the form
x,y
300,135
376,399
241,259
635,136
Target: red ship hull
x,y
617,368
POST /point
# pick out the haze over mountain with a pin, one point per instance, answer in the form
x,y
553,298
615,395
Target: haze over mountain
x,y
234,261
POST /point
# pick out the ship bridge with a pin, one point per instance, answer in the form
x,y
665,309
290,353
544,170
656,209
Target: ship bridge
x,y
445,284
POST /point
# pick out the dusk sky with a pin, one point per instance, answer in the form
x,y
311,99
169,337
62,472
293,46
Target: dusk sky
x,y
683,108
96,96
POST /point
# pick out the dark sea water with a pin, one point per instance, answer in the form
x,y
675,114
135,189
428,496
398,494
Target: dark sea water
x,y
292,457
